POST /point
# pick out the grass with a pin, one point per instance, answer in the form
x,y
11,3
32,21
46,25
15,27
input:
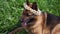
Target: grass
x,y
11,11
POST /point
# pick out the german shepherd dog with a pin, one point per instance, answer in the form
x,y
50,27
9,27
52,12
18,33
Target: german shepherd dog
x,y
39,23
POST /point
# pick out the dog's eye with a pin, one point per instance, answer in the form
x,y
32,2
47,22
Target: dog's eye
x,y
27,14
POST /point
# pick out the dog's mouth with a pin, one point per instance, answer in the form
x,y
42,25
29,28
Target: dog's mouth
x,y
27,22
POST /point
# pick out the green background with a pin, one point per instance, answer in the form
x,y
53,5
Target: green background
x,y
11,11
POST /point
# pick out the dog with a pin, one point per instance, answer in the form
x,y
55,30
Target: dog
x,y
35,22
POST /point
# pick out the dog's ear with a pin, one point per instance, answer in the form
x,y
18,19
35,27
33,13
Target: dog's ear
x,y
27,2
34,6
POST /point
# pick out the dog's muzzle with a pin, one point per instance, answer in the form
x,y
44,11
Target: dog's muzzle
x,y
25,22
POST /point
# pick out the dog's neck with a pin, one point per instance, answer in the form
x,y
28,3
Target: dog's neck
x,y
37,27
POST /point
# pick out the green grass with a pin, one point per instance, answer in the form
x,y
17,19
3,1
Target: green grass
x,y
11,10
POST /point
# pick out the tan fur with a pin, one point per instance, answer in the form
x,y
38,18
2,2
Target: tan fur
x,y
37,27
46,30
56,29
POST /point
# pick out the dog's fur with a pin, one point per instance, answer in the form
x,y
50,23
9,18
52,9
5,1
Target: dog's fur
x,y
45,23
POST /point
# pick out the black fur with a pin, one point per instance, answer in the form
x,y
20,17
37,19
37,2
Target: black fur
x,y
52,20
34,6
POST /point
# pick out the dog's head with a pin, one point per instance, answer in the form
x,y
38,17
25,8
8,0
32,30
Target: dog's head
x,y
28,17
